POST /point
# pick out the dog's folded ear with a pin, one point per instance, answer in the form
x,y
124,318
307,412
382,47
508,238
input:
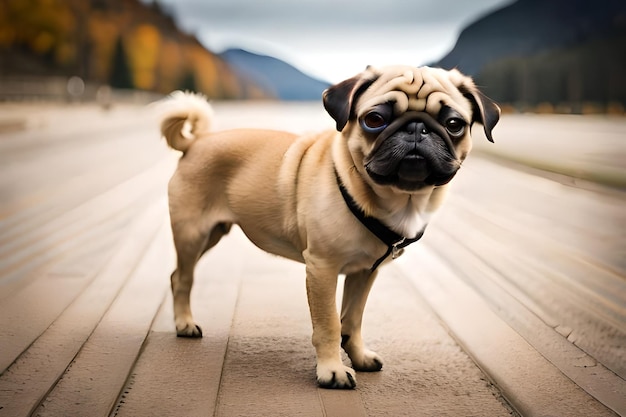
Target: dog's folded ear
x,y
340,99
484,110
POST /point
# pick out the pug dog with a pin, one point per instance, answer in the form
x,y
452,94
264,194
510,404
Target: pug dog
x,y
342,202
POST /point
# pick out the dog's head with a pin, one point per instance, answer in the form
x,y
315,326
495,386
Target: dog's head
x,y
409,127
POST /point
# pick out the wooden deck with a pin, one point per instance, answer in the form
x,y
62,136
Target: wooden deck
x,y
513,303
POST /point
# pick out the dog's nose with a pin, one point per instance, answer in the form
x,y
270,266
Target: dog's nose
x,y
418,130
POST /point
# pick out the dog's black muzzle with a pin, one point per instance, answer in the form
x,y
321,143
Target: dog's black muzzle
x,y
414,151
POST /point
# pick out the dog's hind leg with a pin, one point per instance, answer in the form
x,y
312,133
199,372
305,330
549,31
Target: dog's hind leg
x,y
190,245
356,289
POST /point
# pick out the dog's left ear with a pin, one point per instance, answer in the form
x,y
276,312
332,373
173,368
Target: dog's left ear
x,y
340,99
484,110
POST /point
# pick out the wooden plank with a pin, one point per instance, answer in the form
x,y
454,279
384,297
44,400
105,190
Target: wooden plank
x,y
269,353
601,285
23,251
179,376
534,266
94,380
577,365
586,223
39,368
555,249
28,312
22,321
529,381
24,317
425,372
562,144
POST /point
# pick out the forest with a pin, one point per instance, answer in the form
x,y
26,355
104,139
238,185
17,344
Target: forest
x,y
587,78
122,43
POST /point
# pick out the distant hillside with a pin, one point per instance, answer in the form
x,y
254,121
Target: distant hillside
x,y
274,76
528,27
124,43
547,51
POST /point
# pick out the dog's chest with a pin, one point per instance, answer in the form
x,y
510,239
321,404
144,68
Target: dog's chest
x,y
408,222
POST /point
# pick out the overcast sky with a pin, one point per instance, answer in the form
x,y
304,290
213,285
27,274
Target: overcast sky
x,y
332,39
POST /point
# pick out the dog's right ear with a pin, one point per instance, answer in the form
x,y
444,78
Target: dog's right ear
x,y
339,99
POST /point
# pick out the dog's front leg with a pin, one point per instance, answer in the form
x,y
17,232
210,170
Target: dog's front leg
x,y
355,291
321,285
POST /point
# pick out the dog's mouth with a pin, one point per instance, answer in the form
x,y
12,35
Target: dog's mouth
x,y
412,174
411,168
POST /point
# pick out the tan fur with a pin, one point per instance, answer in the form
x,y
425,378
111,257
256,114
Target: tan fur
x,y
282,191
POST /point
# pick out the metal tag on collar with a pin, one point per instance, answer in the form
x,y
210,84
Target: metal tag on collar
x,y
395,250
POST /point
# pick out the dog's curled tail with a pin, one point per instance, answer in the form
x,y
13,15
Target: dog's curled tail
x,y
184,116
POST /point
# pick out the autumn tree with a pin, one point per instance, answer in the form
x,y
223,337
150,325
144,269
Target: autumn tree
x,y
144,43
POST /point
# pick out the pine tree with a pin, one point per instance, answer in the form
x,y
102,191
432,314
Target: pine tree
x,y
188,82
120,73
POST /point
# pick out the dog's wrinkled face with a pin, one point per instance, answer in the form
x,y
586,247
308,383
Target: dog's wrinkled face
x,y
409,127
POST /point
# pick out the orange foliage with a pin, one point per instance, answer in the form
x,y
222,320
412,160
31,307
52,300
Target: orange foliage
x,y
78,37
102,33
47,27
171,66
204,70
143,50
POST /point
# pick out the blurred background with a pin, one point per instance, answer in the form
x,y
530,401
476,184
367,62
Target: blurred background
x,y
529,55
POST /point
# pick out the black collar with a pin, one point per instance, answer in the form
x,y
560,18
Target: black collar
x,y
395,242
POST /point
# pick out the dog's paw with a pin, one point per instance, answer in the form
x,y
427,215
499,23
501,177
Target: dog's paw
x,y
188,330
336,376
367,361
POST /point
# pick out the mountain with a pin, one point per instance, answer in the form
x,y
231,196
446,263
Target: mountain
x,y
528,27
564,55
275,77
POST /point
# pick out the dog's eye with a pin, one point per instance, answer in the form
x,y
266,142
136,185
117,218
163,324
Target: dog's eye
x,y
455,126
374,122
